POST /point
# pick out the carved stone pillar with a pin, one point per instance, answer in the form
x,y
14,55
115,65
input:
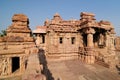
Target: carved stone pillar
x,y
10,66
89,57
5,67
90,32
38,40
90,40
22,64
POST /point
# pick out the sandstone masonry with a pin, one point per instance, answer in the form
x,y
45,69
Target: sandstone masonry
x,y
85,39
16,47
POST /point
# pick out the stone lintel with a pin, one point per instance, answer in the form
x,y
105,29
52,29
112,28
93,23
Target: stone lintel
x,y
89,30
11,51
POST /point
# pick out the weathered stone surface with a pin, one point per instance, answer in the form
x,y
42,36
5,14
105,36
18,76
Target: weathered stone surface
x,y
117,43
85,39
76,70
64,37
33,70
19,29
16,47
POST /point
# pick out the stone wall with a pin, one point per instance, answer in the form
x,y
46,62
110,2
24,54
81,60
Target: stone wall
x,y
66,45
6,62
117,43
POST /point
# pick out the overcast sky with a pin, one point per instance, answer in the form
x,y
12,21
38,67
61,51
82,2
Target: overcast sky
x,y
39,10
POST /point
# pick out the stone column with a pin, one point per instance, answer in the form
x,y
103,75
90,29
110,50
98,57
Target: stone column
x,y
89,57
90,40
10,66
38,40
22,64
90,32
41,41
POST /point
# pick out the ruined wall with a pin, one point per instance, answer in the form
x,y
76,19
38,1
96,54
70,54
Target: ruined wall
x,y
117,43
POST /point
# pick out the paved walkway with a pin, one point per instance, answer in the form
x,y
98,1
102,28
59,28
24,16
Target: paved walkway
x,y
76,70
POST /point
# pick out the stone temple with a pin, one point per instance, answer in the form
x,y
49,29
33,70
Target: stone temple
x,y
16,46
88,40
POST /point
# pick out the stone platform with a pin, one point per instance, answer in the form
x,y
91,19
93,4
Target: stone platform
x,y
76,70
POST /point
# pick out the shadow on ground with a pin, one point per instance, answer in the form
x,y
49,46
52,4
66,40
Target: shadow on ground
x,y
43,61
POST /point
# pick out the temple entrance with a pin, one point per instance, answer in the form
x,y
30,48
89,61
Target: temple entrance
x,y
99,38
15,63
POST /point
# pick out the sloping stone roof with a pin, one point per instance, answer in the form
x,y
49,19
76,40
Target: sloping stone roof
x,y
19,17
87,20
40,29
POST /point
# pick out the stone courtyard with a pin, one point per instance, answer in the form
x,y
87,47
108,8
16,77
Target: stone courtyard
x,y
76,70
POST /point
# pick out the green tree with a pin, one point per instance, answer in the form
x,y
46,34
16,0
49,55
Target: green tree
x,y
3,33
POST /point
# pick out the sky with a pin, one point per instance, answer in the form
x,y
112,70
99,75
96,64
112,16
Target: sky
x,y
39,10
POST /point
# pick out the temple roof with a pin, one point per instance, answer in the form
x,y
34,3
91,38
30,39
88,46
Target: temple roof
x,y
19,17
86,20
87,14
40,29
56,14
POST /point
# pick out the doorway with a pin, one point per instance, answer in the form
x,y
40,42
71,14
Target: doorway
x,y
15,64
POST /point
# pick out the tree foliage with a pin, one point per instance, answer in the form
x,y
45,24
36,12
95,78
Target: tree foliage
x,y
2,33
